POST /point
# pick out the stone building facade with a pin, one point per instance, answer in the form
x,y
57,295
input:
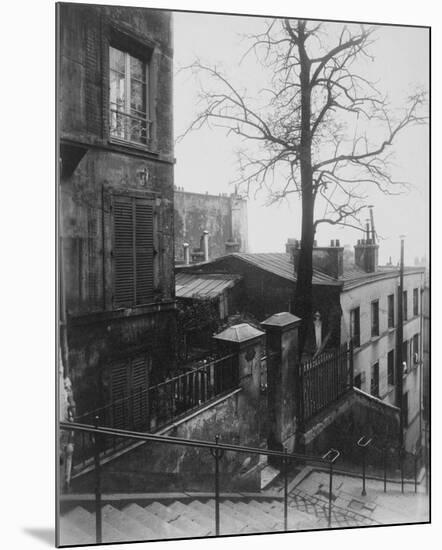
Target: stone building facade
x,y
223,217
115,200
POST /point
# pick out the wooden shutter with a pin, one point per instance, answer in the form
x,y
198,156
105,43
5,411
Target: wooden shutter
x,y
123,253
139,385
143,251
133,251
119,383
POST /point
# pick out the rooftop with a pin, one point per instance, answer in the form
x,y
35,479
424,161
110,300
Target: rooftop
x,y
203,285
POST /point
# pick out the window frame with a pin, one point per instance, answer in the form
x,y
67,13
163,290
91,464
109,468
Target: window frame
x,y
355,336
391,375
127,112
374,380
145,198
405,305
415,302
390,306
374,309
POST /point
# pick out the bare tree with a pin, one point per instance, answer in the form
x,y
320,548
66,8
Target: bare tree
x,y
322,130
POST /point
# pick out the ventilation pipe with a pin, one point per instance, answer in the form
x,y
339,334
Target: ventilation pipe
x,y
205,245
186,250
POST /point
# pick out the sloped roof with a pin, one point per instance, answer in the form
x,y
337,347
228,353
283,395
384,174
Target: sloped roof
x,y
281,264
355,276
203,285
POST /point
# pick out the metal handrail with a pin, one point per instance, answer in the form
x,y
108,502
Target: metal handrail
x,y
172,440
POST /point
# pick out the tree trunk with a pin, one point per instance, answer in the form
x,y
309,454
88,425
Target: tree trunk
x,y
303,293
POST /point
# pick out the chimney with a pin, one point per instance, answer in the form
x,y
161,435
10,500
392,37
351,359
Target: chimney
x,y
186,250
232,246
205,245
328,259
366,250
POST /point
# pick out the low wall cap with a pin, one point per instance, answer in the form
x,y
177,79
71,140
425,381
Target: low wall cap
x,y
239,333
281,319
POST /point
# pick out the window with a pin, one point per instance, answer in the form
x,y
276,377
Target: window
x,y
359,381
133,253
416,349
375,318
374,382
415,301
391,311
390,368
355,330
405,305
405,355
128,97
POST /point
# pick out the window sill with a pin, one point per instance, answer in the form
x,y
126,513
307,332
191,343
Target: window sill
x,y
132,145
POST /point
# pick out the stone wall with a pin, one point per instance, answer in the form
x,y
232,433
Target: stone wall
x,y
224,217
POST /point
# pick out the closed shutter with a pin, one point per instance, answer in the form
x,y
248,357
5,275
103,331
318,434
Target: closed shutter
x,y
119,385
129,383
139,385
143,251
133,250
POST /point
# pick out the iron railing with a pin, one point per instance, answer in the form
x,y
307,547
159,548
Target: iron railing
x,y
324,379
217,450
149,409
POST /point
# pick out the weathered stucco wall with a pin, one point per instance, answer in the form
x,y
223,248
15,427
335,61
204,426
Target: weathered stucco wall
x,y
157,467
344,423
224,217
93,166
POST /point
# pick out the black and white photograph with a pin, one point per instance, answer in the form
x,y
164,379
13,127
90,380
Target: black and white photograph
x,y
242,272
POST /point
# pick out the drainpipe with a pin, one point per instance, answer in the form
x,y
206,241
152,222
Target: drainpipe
x,y
186,249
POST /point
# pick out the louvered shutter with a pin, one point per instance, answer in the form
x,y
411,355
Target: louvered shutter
x,y
133,251
139,385
123,253
119,386
143,251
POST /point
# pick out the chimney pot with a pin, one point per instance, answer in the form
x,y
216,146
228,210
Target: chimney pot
x,y
332,243
186,253
338,243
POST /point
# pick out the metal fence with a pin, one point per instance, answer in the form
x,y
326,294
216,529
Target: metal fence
x,y
148,409
324,379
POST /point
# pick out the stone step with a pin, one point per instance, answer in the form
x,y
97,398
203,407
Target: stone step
x,y
187,526
133,529
70,534
228,524
233,518
197,517
247,516
84,520
161,528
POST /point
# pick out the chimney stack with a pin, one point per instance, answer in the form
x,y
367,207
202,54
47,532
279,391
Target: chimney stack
x,y
366,250
205,245
186,250
328,259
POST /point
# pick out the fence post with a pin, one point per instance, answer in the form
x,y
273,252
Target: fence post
x,y
363,443
285,488
415,470
217,454
98,523
385,468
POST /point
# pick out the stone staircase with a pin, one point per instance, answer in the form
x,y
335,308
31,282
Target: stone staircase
x,y
126,520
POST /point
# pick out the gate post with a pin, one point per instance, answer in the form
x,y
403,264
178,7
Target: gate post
x,y
282,352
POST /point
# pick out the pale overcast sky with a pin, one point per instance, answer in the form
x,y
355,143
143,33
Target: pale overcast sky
x,y
206,159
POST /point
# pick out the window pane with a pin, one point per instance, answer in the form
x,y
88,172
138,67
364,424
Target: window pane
x,y
137,130
116,59
117,90
117,124
137,96
137,69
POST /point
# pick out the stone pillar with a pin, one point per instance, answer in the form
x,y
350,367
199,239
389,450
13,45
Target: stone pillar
x,y
246,341
282,357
